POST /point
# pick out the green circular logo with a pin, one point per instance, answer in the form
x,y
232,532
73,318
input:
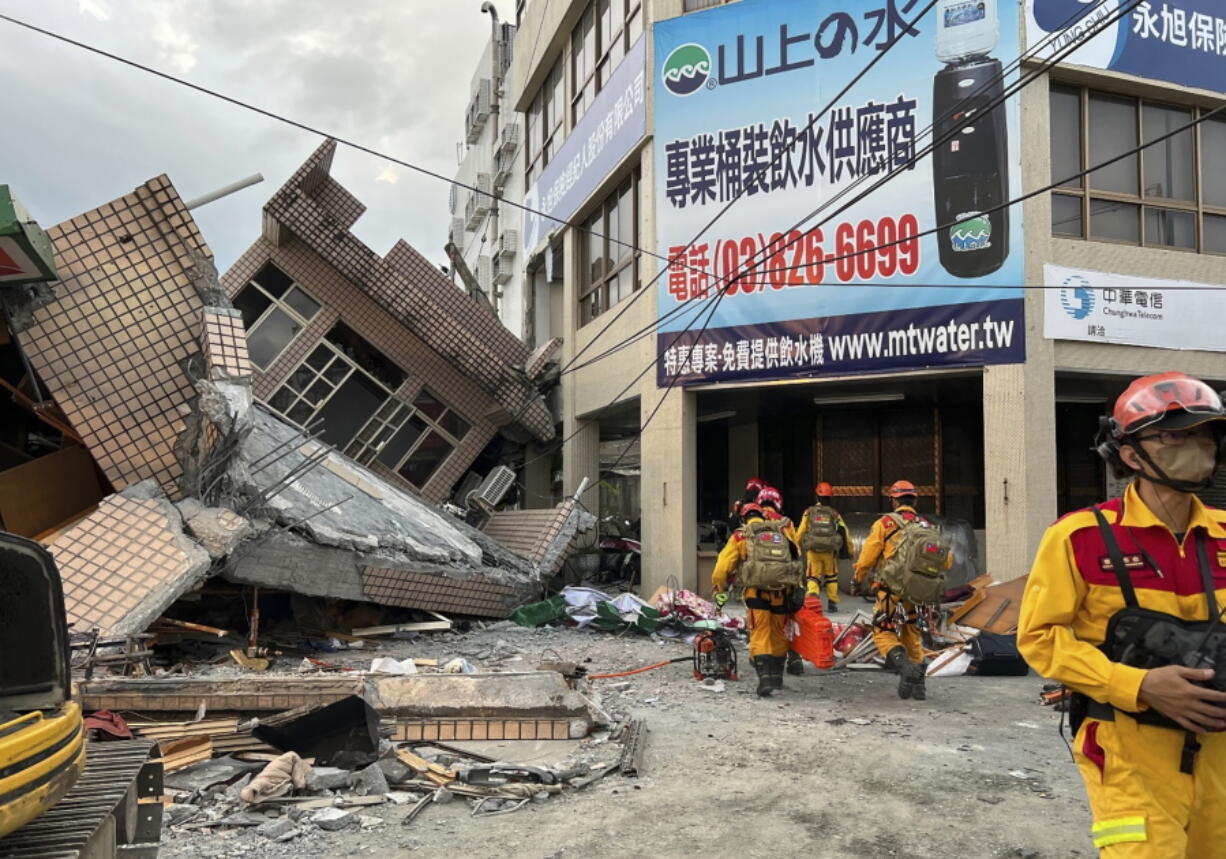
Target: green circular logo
x,y
686,69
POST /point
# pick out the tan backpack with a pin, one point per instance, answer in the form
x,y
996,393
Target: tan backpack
x,y
916,570
821,530
771,560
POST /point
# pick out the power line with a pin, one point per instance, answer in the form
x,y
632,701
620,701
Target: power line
x,y
903,31
768,251
1045,189
771,250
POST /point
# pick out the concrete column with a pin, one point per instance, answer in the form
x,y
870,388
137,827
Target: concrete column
x,y
742,457
580,459
669,489
1019,427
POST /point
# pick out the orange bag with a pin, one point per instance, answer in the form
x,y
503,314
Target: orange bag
x,y
815,640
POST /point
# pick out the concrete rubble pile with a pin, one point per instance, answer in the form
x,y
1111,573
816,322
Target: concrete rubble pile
x,y
145,366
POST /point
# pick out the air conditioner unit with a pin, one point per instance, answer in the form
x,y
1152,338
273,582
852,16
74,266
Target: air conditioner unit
x,y
503,164
457,230
504,269
504,49
492,490
507,246
508,138
478,110
476,210
485,273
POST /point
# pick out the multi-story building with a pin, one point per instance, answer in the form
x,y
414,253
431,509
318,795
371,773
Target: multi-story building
x,y
926,321
484,226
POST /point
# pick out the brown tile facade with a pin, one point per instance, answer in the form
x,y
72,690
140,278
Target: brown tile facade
x,y
114,558
403,305
449,730
529,533
429,592
342,302
113,345
223,340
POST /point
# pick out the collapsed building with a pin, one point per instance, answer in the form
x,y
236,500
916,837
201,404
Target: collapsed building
x,y
292,426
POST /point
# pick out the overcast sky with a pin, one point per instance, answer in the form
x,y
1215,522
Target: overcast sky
x,y
80,129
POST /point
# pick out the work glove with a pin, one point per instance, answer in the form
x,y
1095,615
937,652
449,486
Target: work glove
x,y
721,599
856,587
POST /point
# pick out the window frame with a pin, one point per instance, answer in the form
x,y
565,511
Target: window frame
x,y
278,303
600,68
545,132
1087,196
599,287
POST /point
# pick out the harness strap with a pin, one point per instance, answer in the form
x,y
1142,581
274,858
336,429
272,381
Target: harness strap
x,y
1206,575
1117,559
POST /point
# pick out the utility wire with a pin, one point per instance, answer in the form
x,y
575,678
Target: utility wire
x,y
1045,189
771,250
984,87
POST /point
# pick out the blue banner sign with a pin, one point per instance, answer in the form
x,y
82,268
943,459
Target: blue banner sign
x,y
926,270
1179,41
608,131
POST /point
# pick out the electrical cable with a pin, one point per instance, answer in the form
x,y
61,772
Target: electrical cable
x,y
1000,207
769,250
787,149
720,293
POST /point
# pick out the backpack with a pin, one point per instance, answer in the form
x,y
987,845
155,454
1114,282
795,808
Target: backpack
x,y
821,530
916,570
770,561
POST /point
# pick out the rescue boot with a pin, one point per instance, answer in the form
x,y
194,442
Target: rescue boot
x,y
796,665
761,664
832,606
918,690
896,660
776,671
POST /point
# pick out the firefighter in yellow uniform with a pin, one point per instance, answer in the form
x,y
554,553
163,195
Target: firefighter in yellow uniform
x,y
767,608
1149,741
771,502
903,647
823,566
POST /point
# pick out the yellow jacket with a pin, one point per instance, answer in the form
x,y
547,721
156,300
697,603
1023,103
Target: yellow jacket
x,y
1072,591
842,526
878,546
734,552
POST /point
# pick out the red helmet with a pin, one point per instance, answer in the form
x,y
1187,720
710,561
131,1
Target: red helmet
x,y
751,509
755,484
770,495
901,489
824,489
1176,399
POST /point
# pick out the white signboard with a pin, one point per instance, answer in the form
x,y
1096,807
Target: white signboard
x,y
1135,311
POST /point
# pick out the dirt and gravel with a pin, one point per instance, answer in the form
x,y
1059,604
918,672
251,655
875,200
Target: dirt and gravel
x,y
836,766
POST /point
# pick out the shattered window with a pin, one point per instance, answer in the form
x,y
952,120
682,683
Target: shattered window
x,y
274,310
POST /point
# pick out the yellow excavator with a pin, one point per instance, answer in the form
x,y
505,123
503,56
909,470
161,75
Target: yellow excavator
x,y
60,796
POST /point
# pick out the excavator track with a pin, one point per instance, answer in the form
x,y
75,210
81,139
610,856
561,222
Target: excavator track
x,y
114,810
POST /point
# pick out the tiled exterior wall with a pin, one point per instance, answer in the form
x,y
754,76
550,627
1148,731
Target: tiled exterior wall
x,y
224,343
313,208
113,346
433,592
111,561
529,533
342,301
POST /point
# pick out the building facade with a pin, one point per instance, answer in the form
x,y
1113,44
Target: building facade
x,y
381,357
933,322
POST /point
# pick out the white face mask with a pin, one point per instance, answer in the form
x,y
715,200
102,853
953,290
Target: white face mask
x,y
1193,461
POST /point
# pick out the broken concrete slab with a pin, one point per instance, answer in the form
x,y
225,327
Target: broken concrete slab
x,y
218,530
544,537
265,694
127,562
541,694
334,819
371,781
